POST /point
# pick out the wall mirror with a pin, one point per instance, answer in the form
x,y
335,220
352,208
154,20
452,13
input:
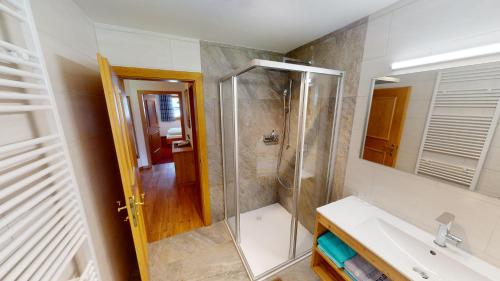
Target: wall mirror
x,y
440,124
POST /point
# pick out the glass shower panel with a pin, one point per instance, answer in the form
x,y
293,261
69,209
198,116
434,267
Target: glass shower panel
x,y
229,173
264,221
319,125
277,136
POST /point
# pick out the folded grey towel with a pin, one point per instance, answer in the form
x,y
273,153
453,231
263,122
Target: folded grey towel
x,y
362,270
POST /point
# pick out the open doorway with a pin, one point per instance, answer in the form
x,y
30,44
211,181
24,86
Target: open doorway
x,y
167,155
162,114
128,135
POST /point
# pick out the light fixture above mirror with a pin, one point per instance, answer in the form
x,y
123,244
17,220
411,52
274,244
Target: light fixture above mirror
x,y
464,54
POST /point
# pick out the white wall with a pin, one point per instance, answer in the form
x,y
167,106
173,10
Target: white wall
x,y
131,88
69,44
407,30
186,112
138,48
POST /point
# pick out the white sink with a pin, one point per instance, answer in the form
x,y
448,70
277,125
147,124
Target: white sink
x,y
407,248
428,262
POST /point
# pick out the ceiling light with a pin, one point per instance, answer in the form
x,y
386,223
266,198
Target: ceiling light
x,y
456,55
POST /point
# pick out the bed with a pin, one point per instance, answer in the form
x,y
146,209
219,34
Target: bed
x,y
174,133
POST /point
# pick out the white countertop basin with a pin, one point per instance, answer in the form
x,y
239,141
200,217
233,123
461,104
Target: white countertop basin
x,y
407,248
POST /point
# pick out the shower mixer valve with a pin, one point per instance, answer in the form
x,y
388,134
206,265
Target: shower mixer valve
x,y
272,138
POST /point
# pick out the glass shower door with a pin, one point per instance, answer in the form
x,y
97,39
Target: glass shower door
x,y
264,221
270,208
228,154
316,182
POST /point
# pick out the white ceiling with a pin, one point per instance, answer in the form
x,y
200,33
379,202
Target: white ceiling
x,y
277,25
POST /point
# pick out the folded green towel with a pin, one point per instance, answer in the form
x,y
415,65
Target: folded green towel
x,y
322,249
335,262
335,249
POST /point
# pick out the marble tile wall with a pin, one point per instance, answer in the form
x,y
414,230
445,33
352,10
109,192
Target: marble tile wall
x,y
259,113
260,106
342,50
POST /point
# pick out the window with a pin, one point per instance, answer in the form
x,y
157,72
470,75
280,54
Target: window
x,y
177,106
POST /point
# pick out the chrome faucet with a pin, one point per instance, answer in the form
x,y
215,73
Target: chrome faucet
x,y
443,235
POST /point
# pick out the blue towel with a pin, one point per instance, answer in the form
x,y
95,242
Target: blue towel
x,y
335,249
322,249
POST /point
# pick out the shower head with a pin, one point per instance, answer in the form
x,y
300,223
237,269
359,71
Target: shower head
x,y
296,61
279,70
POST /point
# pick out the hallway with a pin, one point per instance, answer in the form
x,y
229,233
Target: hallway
x,y
169,208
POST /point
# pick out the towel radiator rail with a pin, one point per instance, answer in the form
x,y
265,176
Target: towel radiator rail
x,y
43,228
462,118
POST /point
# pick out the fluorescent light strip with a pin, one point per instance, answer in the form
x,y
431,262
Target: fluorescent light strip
x,y
456,55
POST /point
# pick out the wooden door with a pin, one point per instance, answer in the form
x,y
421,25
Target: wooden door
x,y
121,124
387,117
152,128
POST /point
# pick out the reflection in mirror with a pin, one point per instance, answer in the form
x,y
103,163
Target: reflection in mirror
x,y
438,124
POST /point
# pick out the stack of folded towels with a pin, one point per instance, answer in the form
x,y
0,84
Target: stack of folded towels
x,y
357,268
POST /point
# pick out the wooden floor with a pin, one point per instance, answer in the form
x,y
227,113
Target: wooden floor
x,y
169,208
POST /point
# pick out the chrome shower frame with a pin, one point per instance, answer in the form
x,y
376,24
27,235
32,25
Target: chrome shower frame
x,y
306,72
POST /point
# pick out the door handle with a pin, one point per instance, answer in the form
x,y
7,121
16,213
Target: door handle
x,y
120,207
141,203
133,209
134,203
391,149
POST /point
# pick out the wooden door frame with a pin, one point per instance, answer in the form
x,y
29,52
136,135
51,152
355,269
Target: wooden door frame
x,y
196,78
140,97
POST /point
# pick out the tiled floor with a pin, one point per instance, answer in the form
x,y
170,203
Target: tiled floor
x,y
208,253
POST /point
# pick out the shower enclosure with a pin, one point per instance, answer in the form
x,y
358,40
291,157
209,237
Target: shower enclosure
x,y
272,188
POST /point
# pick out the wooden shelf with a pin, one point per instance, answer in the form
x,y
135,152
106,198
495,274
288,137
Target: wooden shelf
x,y
332,265
326,268
325,273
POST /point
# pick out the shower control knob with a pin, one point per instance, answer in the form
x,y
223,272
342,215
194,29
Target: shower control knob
x,y
272,138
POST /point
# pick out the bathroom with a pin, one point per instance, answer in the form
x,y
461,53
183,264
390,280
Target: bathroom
x,y
287,101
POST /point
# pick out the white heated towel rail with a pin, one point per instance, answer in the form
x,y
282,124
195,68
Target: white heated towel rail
x,y
43,230
460,125
89,274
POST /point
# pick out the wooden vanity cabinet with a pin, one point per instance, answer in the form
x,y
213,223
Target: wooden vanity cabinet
x,y
185,169
328,271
